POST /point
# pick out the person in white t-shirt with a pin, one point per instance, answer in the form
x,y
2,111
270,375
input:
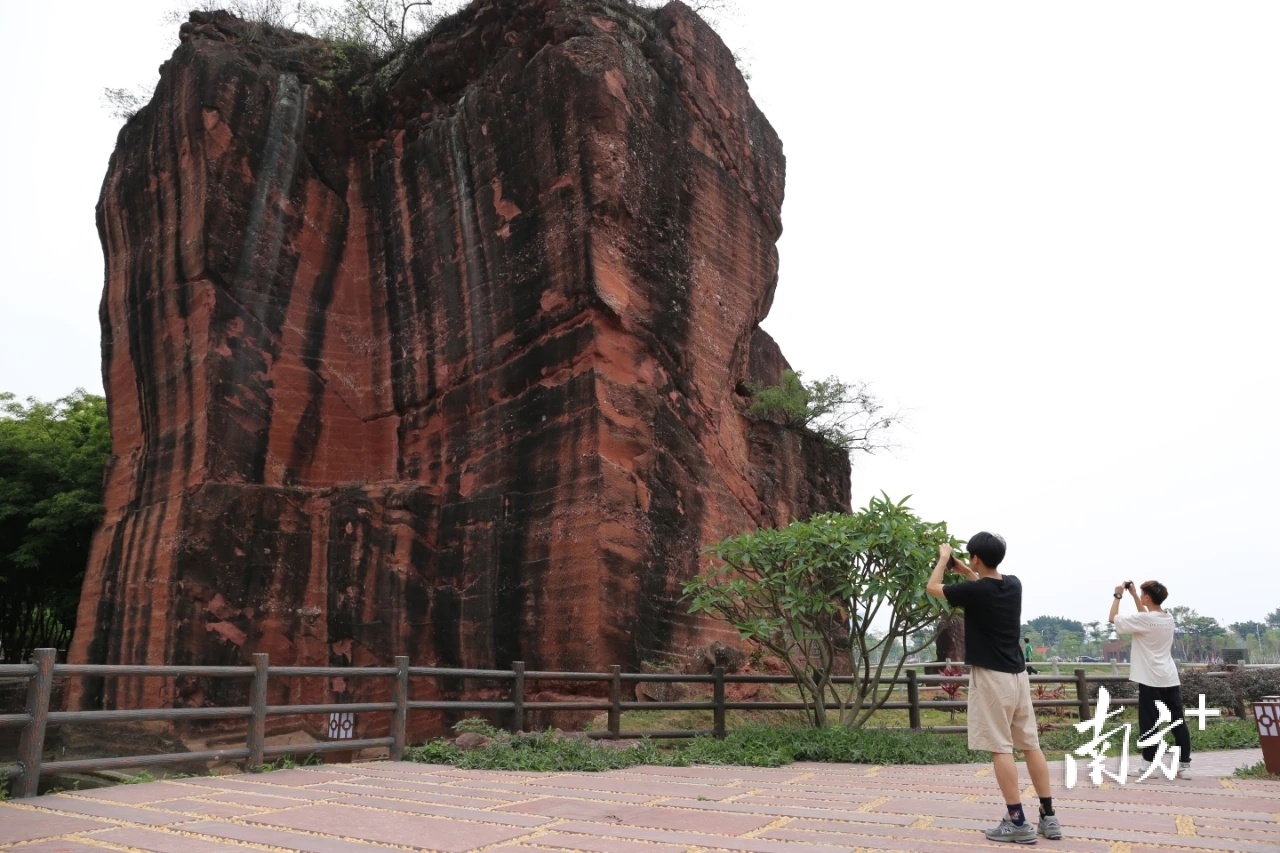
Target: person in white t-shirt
x,y
1152,667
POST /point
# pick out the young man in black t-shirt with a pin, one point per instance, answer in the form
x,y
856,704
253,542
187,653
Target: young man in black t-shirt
x,y
1000,715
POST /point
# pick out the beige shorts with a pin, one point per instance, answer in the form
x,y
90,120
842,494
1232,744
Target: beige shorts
x,y
1000,713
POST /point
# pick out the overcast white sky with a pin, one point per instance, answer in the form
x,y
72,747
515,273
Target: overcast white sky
x,y
1049,232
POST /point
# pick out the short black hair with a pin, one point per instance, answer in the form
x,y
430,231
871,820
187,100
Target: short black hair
x,y
988,547
1156,590
1026,640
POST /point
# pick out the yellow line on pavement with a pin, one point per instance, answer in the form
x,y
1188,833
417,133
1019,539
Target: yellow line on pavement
x,y
923,823
1186,826
1227,783
754,792
777,824
874,804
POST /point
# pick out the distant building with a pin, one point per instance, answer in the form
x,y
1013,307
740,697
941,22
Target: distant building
x,y
1115,651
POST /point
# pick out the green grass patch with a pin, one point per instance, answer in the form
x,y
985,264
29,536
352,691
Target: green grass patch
x,y
1256,771
755,745
750,746
289,762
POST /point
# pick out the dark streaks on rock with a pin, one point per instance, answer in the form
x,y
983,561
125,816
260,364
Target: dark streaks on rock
x,y
441,356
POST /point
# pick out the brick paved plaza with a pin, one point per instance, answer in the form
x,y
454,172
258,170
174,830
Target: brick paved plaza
x,y
816,808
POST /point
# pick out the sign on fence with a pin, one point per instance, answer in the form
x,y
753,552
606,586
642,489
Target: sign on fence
x,y
342,726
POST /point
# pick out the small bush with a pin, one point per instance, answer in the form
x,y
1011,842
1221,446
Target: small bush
x,y
477,725
1255,771
1218,691
1119,690
1253,684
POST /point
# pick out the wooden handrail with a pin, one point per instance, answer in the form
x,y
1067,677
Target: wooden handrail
x,y
40,676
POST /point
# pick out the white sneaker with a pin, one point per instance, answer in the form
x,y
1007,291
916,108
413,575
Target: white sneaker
x,y
1137,768
1184,771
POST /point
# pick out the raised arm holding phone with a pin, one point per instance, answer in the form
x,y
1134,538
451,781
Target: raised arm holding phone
x,y
1000,717
1152,668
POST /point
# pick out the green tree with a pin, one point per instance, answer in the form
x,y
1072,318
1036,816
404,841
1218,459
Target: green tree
x,y
1195,633
52,457
845,416
1247,629
1070,644
809,592
1273,618
1051,628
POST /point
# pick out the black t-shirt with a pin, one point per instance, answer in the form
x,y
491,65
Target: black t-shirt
x,y
992,621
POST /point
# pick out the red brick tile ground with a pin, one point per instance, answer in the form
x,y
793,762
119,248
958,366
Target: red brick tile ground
x,y
807,808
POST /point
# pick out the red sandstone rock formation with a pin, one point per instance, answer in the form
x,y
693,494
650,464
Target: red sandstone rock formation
x,y
441,358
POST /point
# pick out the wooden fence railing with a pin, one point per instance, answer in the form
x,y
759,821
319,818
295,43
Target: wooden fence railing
x,y
40,675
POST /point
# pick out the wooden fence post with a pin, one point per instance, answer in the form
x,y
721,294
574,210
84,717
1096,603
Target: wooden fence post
x,y
717,700
31,744
913,697
517,697
257,740
615,701
1082,694
400,716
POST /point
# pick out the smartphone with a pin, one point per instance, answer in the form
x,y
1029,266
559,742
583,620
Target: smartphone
x,y
951,562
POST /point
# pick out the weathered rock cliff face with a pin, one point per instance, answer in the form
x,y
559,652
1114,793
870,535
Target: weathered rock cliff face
x,y
443,358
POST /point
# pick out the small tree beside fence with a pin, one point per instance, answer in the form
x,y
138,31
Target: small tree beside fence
x,y
810,593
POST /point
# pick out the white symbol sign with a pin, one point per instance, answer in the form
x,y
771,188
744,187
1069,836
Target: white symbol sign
x,y
342,725
1268,717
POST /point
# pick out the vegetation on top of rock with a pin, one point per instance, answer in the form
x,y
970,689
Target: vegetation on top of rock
x,y
357,33
845,416
52,457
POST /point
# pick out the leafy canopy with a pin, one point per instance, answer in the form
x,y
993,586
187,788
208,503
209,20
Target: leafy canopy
x,y
52,457
1053,629
810,593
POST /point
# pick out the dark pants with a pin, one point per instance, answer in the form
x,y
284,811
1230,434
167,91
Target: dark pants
x,y
1148,715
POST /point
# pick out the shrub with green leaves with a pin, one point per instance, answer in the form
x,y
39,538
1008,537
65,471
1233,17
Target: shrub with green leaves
x,y
1218,690
1250,685
810,593
1255,771
845,416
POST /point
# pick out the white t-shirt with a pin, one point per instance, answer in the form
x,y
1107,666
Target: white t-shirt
x,y
1151,659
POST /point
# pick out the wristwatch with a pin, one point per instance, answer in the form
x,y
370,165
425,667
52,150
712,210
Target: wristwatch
x,y
1119,596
